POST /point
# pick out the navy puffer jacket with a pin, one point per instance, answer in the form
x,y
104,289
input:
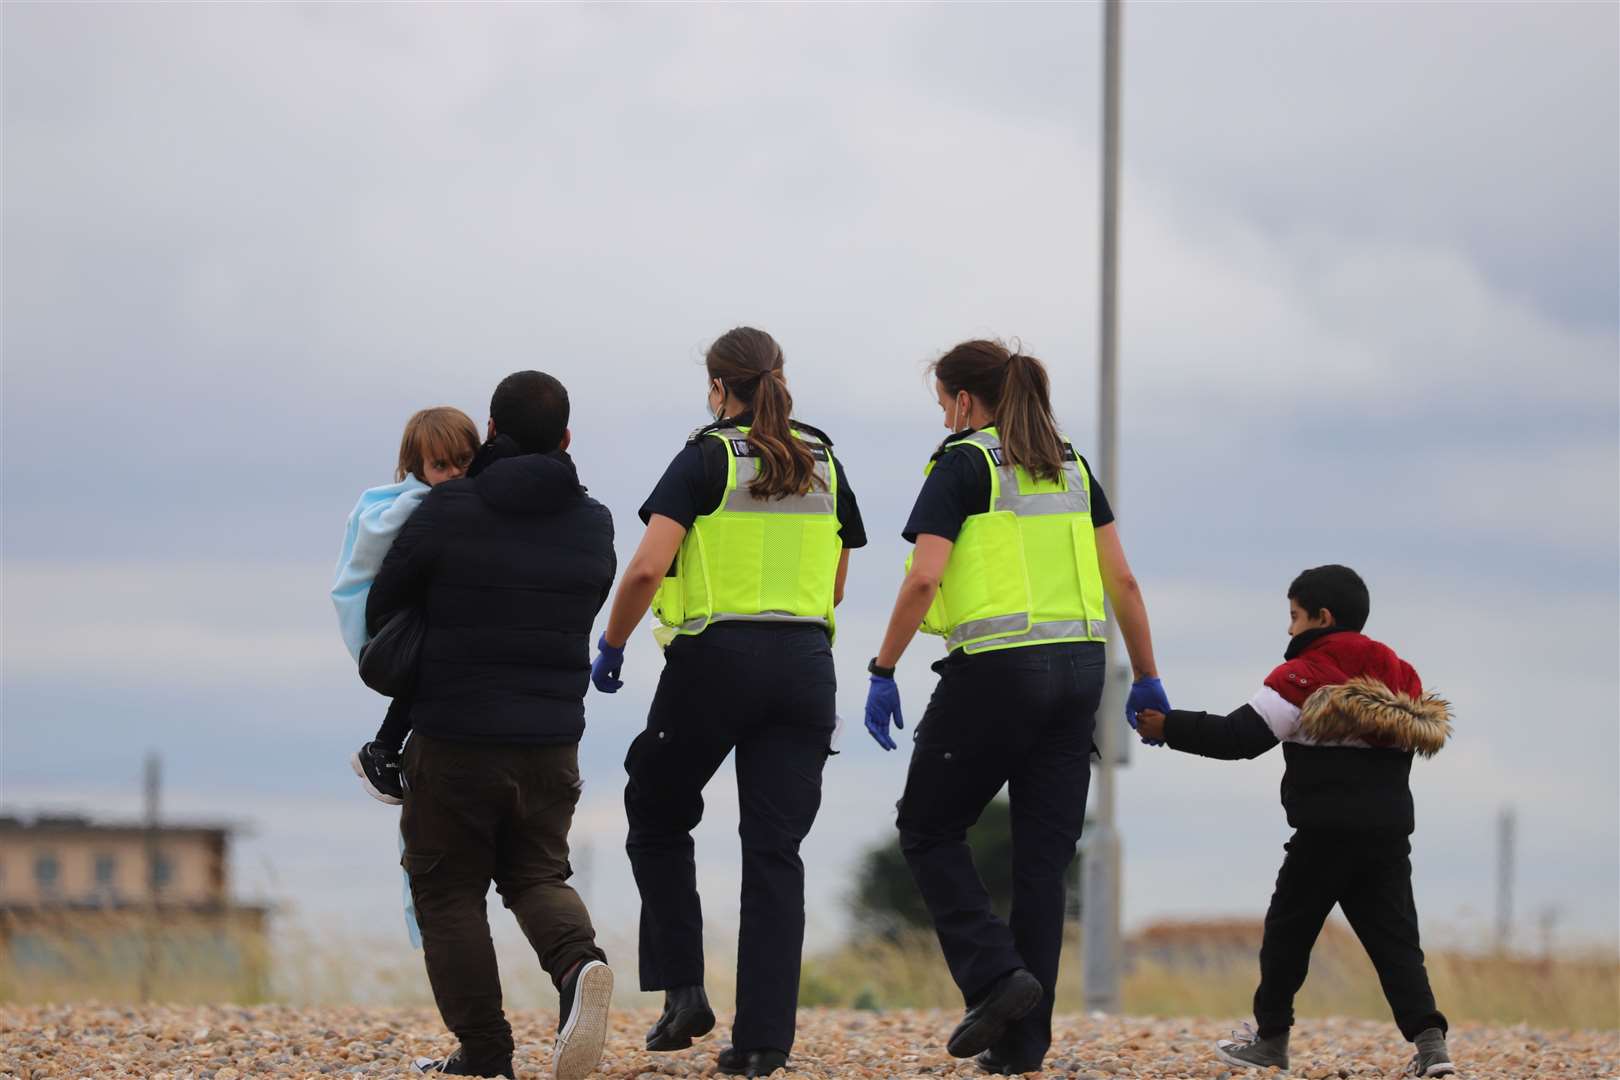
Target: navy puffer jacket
x,y
511,564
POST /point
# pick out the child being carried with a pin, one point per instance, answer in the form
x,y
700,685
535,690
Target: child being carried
x,y
438,445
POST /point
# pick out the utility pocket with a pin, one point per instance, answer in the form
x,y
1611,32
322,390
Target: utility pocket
x,y
416,863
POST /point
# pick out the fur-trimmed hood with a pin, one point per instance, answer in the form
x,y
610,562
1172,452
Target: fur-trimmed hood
x,y
1367,710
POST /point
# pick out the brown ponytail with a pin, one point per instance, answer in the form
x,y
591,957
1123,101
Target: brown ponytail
x,y
1016,389
748,363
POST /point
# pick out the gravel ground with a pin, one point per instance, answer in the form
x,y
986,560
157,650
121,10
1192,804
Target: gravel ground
x,y
231,1043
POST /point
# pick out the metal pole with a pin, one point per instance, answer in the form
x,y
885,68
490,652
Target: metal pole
x,y
149,961
1504,878
1103,849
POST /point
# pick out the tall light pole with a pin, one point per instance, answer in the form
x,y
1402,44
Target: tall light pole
x,y
1102,848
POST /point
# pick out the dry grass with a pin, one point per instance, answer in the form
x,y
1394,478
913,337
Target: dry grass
x,y
1568,992
124,955
308,968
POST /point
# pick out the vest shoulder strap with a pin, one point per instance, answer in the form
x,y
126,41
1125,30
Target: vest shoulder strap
x,y
815,432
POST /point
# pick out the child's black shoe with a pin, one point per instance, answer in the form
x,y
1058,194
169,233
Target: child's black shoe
x,y
378,770
456,1065
1246,1048
1432,1058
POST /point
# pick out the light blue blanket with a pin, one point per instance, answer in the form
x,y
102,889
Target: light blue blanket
x,y
373,524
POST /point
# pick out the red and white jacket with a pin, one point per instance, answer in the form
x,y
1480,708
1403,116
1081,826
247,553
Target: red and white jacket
x,y
1350,714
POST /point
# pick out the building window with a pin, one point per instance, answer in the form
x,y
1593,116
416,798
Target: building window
x,y
106,871
162,871
47,873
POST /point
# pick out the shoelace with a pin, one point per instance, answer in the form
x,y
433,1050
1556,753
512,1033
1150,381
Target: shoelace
x,y
1246,1034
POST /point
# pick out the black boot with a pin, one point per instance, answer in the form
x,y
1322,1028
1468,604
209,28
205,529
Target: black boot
x,y
735,1062
1013,996
687,1015
991,1062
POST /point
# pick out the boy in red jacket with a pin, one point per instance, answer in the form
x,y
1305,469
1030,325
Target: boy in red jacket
x,y
1350,715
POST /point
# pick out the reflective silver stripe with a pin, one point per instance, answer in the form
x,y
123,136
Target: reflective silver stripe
x,y
995,624
769,616
1072,501
818,500
1057,630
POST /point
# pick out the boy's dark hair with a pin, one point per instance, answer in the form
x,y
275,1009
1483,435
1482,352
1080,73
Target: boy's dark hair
x,y
531,408
1337,588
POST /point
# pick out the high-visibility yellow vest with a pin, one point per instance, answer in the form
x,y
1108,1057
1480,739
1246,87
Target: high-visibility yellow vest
x,y
760,560
1023,572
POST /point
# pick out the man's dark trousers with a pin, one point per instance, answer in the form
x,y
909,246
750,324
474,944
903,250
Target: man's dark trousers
x,y
1023,717
477,812
767,691
1369,875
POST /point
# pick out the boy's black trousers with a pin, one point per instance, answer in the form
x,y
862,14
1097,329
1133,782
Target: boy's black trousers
x,y
1369,875
1023,718
767,692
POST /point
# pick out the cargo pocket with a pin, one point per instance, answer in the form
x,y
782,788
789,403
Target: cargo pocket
x,y
416,863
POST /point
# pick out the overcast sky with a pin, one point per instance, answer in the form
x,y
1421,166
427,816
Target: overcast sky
x,y
1369,315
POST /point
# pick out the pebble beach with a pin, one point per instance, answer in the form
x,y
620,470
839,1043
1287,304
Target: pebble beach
x,y
235,1043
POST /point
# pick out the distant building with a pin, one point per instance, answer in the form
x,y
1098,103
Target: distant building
x,y
114,910
1203,945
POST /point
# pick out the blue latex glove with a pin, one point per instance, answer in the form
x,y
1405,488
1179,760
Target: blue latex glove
x,y
883,703
1146,693
605,672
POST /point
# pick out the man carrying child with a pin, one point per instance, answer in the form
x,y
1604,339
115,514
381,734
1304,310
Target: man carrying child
x,y
510,565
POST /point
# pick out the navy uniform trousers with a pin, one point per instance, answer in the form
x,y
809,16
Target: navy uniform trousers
x,y
767,692
1024,718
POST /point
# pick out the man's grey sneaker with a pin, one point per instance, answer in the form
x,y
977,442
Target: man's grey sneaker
x,y
582,1021
1432,1058
456,1065
1247,1049
378,770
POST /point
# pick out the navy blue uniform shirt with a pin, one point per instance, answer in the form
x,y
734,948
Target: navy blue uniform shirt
x,y
959,486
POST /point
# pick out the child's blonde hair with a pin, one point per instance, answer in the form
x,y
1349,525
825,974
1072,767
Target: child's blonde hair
x,y
441,432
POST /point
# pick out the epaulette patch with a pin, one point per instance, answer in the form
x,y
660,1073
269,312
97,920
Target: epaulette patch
x,y
744,448
996,455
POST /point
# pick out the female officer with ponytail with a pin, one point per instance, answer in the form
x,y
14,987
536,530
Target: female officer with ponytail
x,y
747,545
1015,548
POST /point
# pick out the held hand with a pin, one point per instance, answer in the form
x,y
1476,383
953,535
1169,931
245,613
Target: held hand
x,y
1146,693
605,672
882,704
1150,725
